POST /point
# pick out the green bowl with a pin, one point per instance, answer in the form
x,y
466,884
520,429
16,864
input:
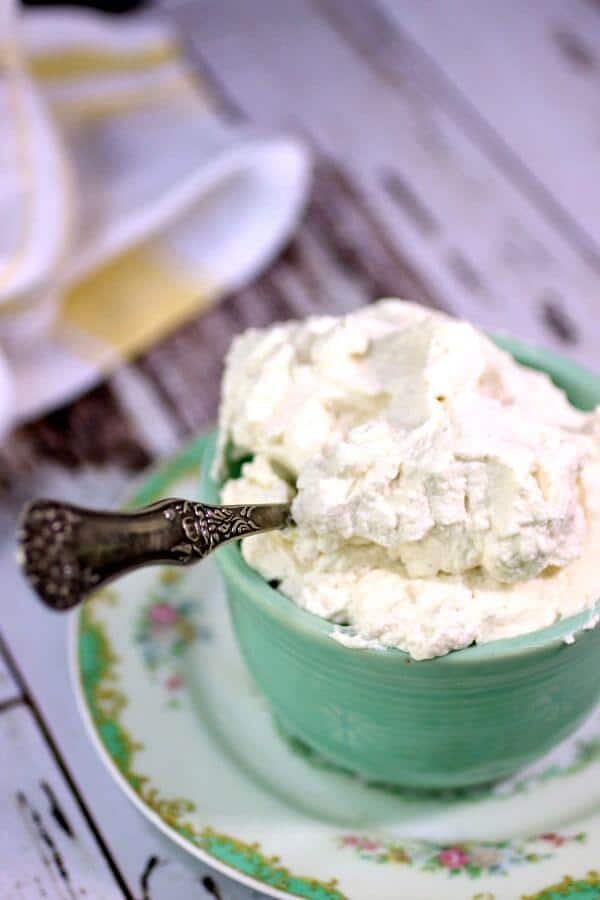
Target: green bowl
x,y
467,718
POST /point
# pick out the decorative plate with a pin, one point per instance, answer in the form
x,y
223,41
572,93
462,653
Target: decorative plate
x,y
178,721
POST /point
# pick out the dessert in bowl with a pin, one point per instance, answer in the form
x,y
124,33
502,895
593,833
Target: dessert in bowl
x,y
424,622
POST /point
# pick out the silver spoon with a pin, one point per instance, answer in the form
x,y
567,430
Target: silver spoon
x,y
68,551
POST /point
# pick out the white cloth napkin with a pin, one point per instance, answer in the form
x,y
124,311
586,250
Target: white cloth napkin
x,y
126,204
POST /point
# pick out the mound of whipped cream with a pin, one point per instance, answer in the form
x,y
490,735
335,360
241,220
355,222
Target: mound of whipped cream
x,y
442,493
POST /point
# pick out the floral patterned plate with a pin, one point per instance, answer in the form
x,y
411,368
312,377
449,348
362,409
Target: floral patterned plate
x,y
186,734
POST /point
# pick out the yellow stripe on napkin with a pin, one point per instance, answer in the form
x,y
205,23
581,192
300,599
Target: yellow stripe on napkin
x,y
79,61
108,106
134,301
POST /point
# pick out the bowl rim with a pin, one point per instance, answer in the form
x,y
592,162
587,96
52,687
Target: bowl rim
x,y
314,627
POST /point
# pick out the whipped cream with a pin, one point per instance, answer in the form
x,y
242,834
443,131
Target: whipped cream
x,y
443,494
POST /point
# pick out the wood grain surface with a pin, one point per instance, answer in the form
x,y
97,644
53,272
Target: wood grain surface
x,y
455,152
52,851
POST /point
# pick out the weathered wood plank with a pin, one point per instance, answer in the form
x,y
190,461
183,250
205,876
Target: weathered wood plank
x,y
46,848
9,690
155,426
91,430
531,71
122,423
491,255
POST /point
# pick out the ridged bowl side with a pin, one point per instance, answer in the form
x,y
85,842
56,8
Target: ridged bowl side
x,y
417,723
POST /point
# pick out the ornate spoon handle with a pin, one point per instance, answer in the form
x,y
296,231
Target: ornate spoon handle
x,y
67,551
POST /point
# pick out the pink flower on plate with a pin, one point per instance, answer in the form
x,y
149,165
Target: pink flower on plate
x,y
174,682
453,858
163,614
366,844
350,841
553,838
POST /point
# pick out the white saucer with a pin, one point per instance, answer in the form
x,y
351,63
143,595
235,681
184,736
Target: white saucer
x,y
178,721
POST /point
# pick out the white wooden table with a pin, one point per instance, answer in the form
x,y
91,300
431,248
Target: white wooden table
x,y
457,150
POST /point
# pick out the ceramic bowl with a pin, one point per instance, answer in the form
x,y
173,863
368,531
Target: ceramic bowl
x,y
463,719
